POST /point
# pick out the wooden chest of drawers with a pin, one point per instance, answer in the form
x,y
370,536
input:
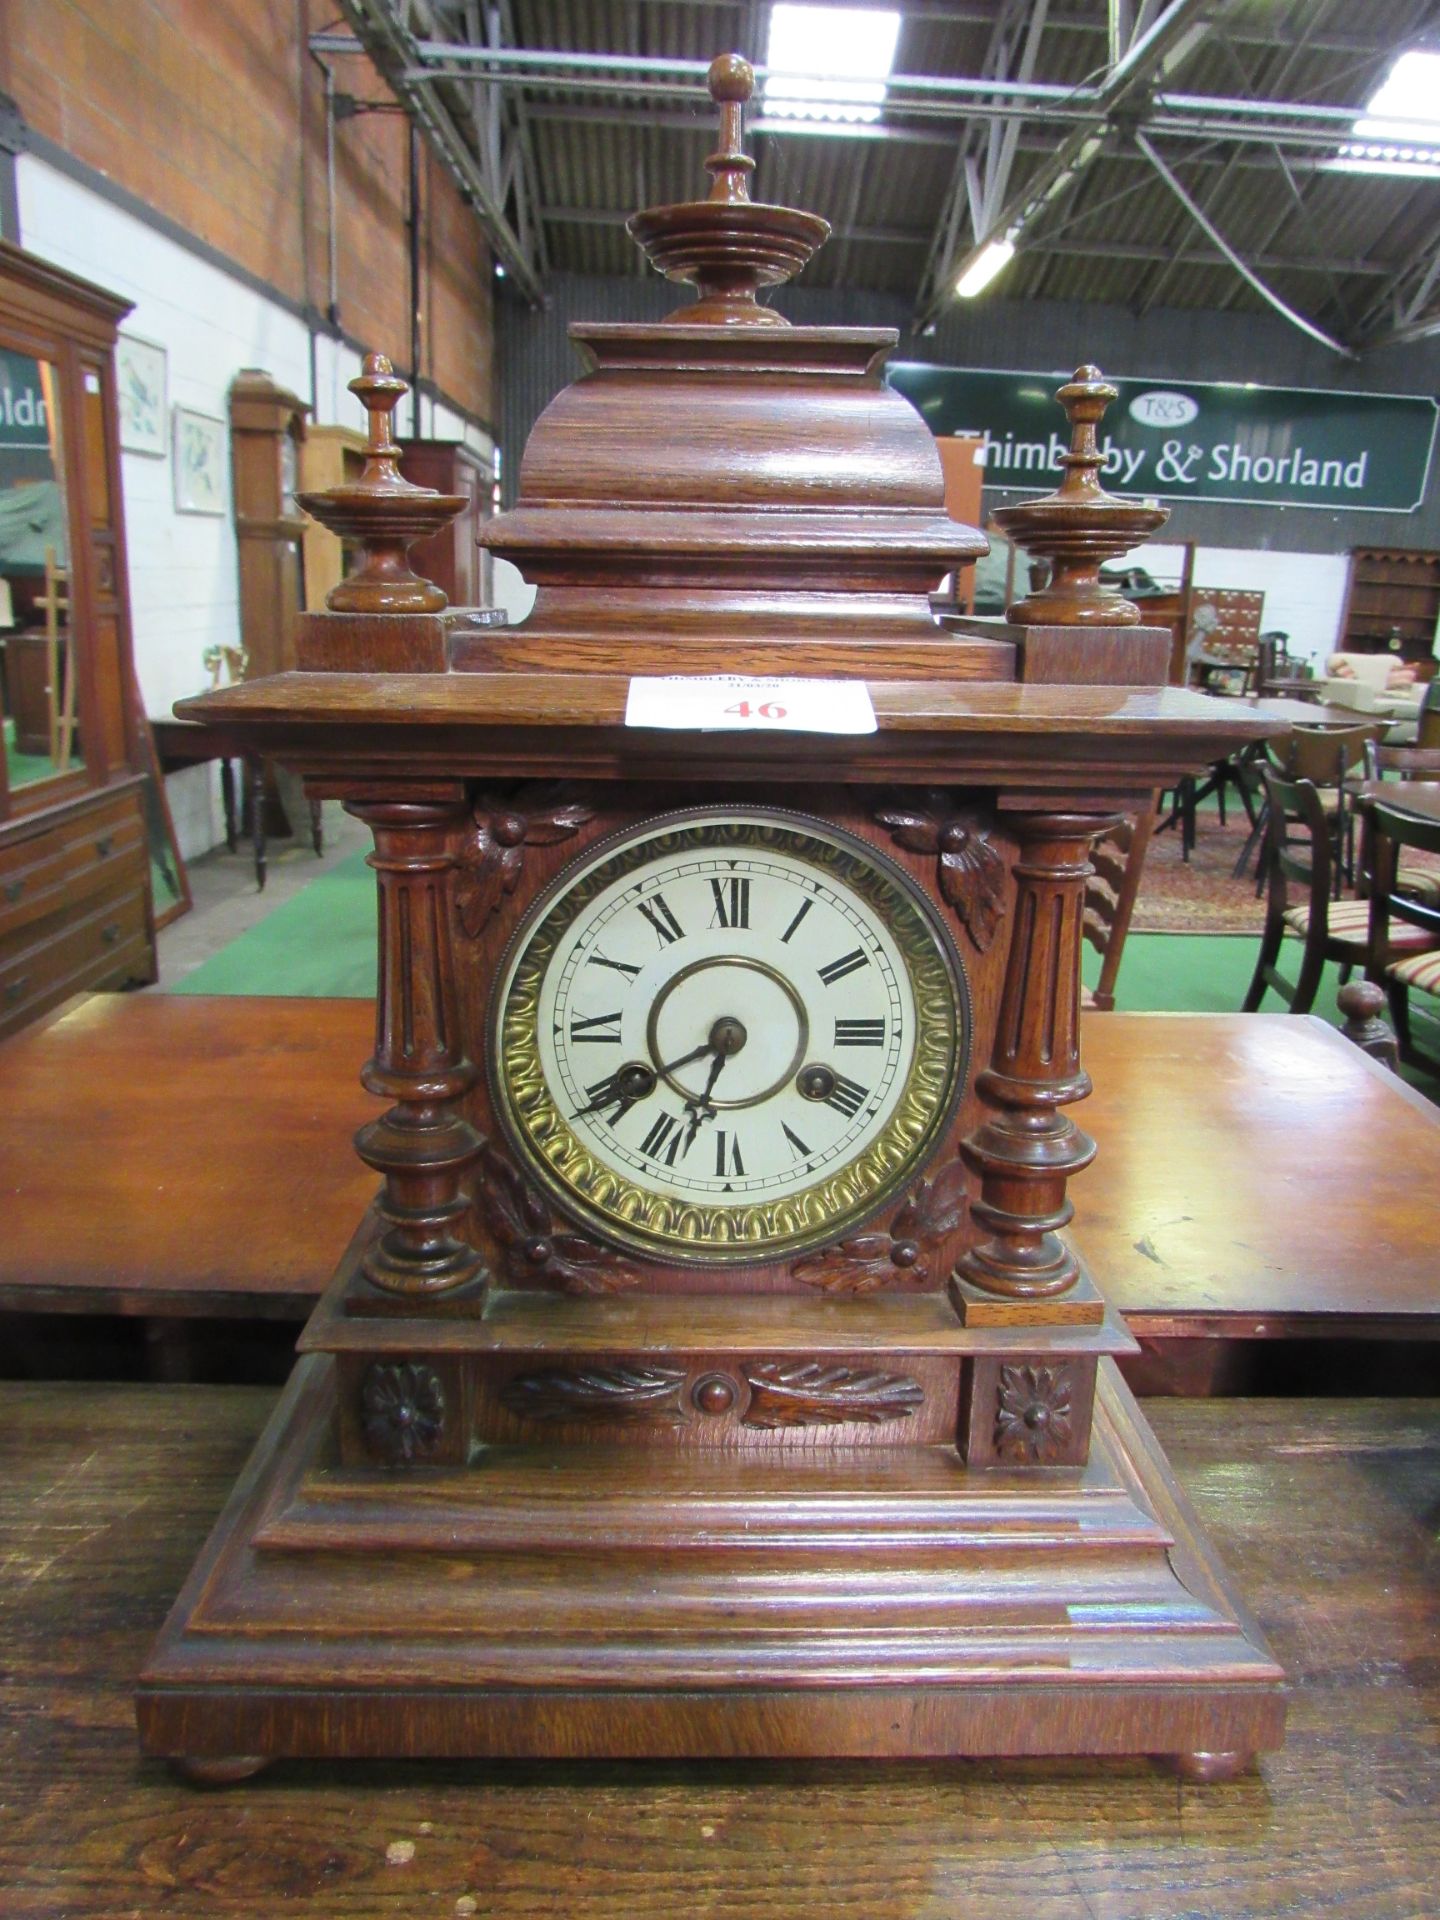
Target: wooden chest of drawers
x,y
74,902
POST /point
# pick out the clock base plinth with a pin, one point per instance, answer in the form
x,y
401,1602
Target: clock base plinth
x,y
590,1602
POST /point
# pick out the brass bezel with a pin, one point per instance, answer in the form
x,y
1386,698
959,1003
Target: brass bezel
x,y
665,1226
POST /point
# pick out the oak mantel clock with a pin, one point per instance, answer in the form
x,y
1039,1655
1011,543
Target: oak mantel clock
x,y
712,1375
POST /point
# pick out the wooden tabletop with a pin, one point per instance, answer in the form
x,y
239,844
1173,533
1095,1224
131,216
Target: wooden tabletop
x,y
1420,799
1322,1511
1257,1175
1287,713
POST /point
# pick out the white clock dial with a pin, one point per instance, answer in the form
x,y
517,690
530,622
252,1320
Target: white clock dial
x,y
729,1033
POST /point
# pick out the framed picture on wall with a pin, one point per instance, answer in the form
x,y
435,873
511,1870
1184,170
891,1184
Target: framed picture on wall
x,y
140,391
200,461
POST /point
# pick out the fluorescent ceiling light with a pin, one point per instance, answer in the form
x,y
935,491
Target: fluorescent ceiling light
x,y
983,269
828,63
1399,132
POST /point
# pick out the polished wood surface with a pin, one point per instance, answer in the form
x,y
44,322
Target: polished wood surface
x,y
226,1185
1418,798
1252,1167
1321,1511
1203,1122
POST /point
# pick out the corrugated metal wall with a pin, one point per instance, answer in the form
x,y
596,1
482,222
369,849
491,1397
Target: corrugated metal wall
x,y
534,359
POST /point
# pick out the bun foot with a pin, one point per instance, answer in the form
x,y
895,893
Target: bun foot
x,y
226,1771
1209,1767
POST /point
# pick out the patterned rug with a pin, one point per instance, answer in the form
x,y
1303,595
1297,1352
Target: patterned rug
x,y
1201,896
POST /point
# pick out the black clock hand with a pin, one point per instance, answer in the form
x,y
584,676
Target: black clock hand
x,y
635,1082
625,1086
701,1109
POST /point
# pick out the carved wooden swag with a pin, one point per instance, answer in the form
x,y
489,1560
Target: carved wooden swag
x,y
970,873
782,1393
537,813
895,1254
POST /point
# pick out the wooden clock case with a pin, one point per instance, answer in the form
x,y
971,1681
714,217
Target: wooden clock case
x,y
532,1494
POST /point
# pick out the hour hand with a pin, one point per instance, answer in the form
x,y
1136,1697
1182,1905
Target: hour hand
x,y
620,1090
701,1109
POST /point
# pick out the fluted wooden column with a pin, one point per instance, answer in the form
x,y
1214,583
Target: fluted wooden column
x,y
1025,1152
423,1145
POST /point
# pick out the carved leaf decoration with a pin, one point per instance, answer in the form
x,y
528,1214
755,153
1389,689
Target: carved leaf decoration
x,y
585,1266
538,814
855,1266
553,810
486,873
971,873
915,829
805,1394
972,879
931,1209
615,1394
521,1223
513,1212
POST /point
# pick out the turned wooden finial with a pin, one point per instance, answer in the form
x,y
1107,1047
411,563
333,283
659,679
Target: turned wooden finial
x,y
729,246
1085,399
1079,527
382,512
379,390
732,81
1362,1004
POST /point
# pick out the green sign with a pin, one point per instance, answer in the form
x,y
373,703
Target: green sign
x,y
22,402
1200,440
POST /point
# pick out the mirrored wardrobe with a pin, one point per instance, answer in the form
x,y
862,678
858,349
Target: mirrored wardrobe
x,y
75,905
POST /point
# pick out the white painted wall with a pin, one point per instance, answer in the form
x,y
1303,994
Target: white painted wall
x,y
1304,592
184,580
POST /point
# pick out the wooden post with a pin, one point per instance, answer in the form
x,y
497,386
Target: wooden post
x,y
1027,1150
423,1145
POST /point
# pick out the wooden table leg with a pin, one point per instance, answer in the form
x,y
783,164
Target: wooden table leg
x,y
255,770
227,801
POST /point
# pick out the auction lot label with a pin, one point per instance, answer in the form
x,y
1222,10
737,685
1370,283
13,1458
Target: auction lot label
x,y
1196,440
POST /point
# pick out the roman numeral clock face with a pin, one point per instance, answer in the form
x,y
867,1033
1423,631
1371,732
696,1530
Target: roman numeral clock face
x,y
728,1036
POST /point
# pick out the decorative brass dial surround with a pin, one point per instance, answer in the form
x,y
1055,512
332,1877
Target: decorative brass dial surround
x,y
695,1229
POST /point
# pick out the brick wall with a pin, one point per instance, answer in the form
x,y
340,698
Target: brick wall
x,y
212,113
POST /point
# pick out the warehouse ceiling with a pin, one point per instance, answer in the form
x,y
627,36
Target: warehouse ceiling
x,y
1195,153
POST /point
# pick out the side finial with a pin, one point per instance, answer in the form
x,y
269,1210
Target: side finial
x,y
729,246
1080,526
731,81
379,389
382,512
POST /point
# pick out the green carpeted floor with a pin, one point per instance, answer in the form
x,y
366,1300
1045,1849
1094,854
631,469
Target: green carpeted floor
x,y
321,941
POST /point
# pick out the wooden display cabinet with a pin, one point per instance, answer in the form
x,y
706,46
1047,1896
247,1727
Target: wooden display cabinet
x,y
267,432
75,901
1392,602
453,558
330,456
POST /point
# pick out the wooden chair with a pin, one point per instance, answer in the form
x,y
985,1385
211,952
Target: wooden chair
x,y
1327,757
1427,728
1298,906
1274,662
1110,892
1404,763
1404,934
